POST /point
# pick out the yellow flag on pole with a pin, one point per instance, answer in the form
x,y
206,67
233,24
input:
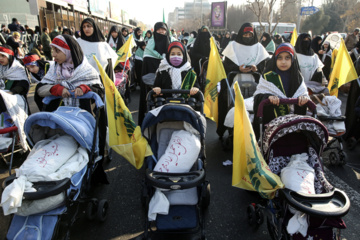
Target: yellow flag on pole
x,y
124,52
215,73
343,71
250,171
124,136
294,37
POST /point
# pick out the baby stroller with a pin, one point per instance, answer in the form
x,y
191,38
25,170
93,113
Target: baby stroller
x,y
187,193
12,136
247,84
283,138
53,205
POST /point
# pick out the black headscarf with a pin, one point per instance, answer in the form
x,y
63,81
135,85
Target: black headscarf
x,y
137,37
97,35
11,58
202,43
149,31
67,31
225,41
77,34
267,41
126,30
194,33
77,54
120,38
315,45
183,50
278,39
240,38
301,47
161,41
233,37
295,73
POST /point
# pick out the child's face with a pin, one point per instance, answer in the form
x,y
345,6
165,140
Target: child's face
x,y
33,68
283,61
176,52
114,34
143,47
4,60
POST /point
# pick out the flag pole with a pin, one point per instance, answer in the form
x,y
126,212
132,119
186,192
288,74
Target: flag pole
x,y
231,94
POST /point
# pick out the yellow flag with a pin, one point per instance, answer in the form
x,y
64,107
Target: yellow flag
x,y
215,73
343,71
250,171
124,136
125,51
333,57
294,37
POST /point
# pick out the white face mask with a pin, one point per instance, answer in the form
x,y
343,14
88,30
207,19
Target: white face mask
x,y
192,35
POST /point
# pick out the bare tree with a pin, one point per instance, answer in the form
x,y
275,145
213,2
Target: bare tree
x,y
264,11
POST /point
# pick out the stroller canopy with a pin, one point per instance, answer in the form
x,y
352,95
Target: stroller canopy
x,y
76,122
281,126
175,112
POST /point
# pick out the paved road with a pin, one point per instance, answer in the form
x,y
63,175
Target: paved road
x,y
226,218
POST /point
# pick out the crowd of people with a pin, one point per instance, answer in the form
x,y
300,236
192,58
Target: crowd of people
x,y
164,60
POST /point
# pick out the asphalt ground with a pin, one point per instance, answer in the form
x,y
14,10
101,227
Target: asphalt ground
x,y
226,215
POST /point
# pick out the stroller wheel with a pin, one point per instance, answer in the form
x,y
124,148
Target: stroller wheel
x,y
251,215
102,210
342,156
91,210
334,158
206,198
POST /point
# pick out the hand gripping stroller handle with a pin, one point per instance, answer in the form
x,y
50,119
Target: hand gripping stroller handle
x,y
175,181
175,91
89,95
266,102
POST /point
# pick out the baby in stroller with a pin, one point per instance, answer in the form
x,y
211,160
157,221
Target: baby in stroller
x,y
309,207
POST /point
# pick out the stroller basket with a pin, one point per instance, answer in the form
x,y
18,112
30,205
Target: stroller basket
x,y
175,181
326,205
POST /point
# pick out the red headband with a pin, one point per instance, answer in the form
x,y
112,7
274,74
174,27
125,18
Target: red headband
x,y
60,43
6,50
176,44
284,49
30,58
248,29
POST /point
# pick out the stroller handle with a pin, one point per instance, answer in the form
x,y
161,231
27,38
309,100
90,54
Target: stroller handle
x,y
175,91
89,95
266,102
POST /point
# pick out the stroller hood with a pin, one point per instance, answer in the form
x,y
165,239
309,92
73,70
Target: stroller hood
x,y
76,122
281,126
175,112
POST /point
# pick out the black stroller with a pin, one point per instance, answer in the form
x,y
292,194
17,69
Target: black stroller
x,y
185,218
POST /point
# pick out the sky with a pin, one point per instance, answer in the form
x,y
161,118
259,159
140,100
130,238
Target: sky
x,y
151,11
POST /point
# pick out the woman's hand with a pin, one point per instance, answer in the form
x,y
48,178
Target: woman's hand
x,y
194,90
157,90
302,100
65,93
274,100
244,69
321,52
253,68
78,92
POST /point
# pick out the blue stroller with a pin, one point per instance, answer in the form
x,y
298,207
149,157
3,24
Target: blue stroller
x,y
55,221
184,219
